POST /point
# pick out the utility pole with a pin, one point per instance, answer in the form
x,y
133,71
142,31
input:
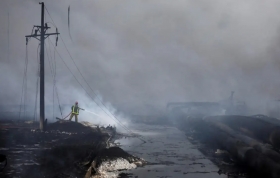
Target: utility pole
x,y
43,35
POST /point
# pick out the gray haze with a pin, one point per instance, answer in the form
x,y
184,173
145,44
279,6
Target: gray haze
x,y
141,54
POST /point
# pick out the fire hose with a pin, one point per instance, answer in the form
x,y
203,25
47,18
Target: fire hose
x,y
67,116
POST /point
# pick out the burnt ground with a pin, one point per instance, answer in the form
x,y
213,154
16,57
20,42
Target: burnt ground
x,y
66,149
227,164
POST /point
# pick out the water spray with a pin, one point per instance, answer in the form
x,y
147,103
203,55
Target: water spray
x,y
94,113
123,126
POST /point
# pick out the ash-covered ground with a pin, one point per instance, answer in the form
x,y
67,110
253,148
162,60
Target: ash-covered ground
x,y
65,149
196,147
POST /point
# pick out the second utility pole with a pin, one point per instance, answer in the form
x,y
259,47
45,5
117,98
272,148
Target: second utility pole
x,y
42,29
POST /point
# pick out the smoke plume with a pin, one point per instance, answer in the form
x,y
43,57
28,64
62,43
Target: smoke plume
x,y
142,54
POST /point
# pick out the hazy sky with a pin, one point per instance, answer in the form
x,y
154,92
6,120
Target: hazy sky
x,y
142,54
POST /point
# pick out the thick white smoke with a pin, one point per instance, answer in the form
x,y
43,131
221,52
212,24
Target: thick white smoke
x,y
142,54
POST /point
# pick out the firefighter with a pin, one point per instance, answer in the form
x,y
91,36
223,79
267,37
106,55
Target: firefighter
x,y
75,111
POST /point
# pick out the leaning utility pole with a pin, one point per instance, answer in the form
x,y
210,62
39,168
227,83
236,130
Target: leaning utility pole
x,y
42,29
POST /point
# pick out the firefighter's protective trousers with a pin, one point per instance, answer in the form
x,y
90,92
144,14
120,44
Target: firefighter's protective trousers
x,y
75,112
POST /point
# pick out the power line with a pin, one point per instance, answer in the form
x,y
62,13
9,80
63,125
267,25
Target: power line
x,y
24,82
52,65
55,80
50,16
85,80
93,90
51,68
69,69
114,117
42,29
37,84
92,97
53,76
54,62
25,91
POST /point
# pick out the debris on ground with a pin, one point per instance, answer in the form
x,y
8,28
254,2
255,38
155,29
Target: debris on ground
x,y
65,149
68,126
110,161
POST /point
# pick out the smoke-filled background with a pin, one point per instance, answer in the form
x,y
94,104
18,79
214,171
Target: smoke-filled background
x,y
141,54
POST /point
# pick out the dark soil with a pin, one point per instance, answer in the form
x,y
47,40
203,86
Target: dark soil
x,y
68,126
65,150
